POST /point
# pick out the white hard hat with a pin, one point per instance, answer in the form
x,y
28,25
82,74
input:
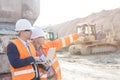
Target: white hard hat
x,y
37,32
23,24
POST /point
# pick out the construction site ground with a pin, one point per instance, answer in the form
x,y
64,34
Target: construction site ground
x,y
90,67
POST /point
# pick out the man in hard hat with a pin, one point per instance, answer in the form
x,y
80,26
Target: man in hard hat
x,y
53,69
22,54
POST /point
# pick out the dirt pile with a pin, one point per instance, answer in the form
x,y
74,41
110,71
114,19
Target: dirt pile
x,y
104,18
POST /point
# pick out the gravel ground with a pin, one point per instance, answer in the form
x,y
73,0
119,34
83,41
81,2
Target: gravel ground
x,y
90,67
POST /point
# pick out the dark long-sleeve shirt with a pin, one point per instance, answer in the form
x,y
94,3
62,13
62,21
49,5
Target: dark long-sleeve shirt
x,y
14,58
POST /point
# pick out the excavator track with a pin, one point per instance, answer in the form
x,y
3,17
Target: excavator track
x,y
102,48
97,48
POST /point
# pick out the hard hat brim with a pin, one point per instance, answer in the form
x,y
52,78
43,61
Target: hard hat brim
x,y
24,29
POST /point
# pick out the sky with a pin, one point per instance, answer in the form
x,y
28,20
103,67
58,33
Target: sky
x,y
58,11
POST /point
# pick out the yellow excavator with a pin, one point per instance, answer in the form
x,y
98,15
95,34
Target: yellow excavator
x,y
92,41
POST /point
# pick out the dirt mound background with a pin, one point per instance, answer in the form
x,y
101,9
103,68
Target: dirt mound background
x,y
104,18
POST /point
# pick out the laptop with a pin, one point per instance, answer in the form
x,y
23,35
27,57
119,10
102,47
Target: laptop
x,y
50,54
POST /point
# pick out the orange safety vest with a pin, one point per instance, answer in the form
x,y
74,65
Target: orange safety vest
x,y
42,73
26,72
58,44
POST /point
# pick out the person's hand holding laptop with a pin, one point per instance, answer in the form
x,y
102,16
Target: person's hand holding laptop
x,y
46,61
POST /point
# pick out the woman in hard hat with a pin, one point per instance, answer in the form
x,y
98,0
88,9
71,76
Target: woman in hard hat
x,y
52,72
22,54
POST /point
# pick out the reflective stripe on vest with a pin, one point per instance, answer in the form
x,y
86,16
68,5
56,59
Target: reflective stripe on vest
x,y
43,75
63,42
57,69
22,72
71,38
54,60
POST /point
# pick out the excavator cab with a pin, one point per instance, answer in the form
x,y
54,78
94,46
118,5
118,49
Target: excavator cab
x,y
85,29
87,32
